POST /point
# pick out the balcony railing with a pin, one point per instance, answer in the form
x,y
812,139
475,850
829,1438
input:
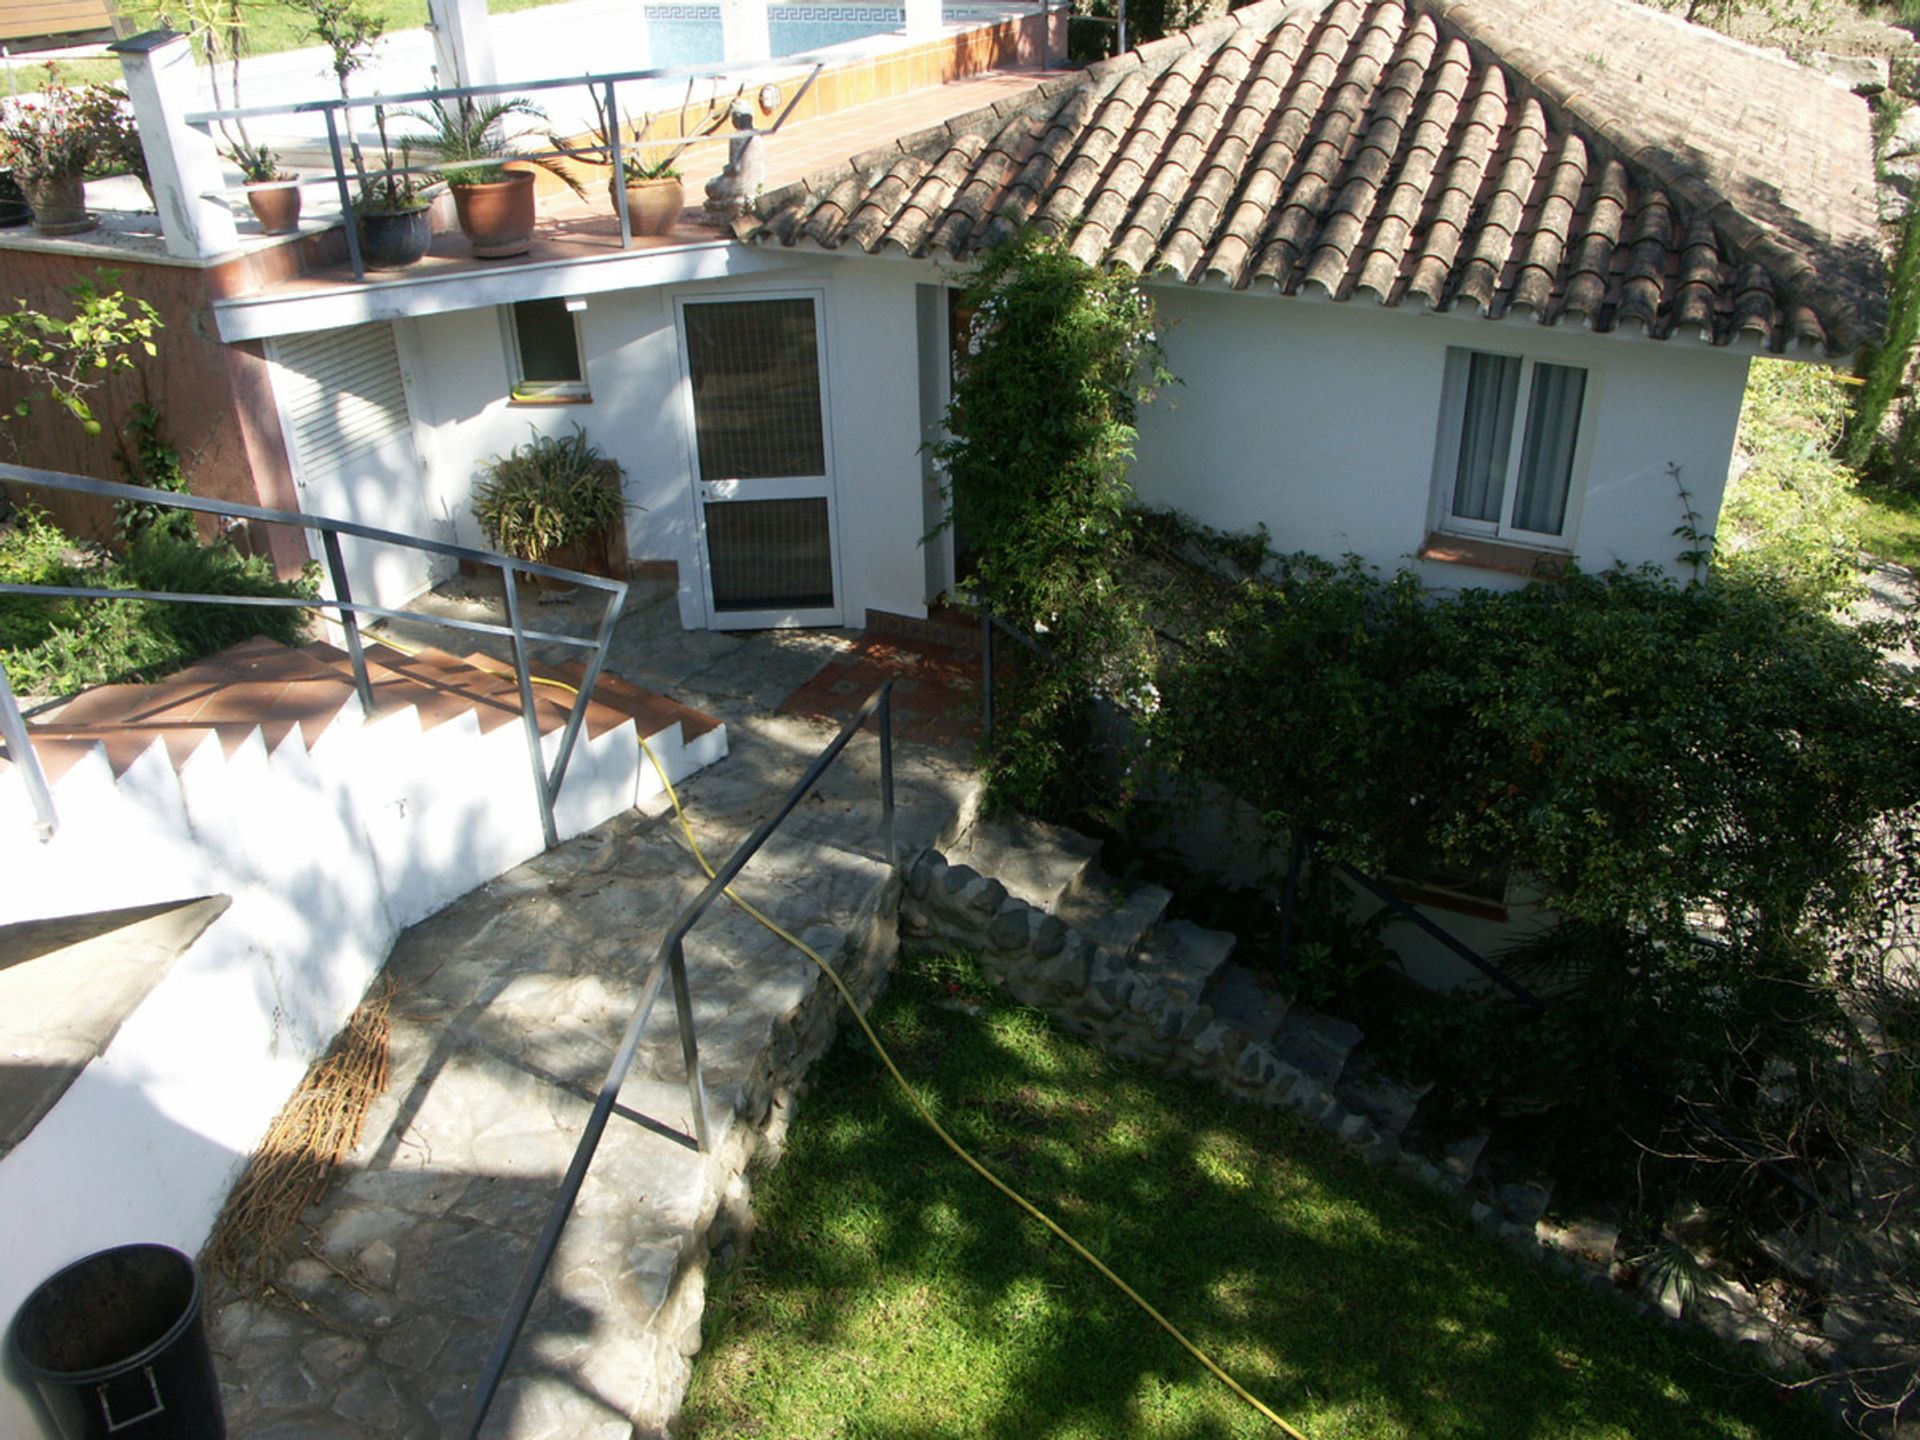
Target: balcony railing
x,y
337,117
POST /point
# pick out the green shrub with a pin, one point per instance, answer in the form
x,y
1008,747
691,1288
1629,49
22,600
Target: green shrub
x,y
1791,517
553,491
54,646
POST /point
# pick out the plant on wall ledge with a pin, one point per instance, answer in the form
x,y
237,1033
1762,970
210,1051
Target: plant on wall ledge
x,y
649,168
495,204
553,500
52,143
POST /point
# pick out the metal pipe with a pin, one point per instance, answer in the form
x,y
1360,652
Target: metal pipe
x,y
986,674
602,643
886,774
689,1046
1445,937
202,505
285,602
616,154
530,717
346,199
535,1269
13,729
349,622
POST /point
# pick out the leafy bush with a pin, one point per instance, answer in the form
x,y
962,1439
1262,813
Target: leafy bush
x,y
554,491
1792,516
1718,785
53,646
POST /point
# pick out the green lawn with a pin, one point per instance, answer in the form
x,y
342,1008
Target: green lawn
x,y
890,1293
272,26
1890,525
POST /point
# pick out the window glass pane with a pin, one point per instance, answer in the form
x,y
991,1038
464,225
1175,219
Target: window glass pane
x,y
549,350
1546,457
756,389
770,554
1486,435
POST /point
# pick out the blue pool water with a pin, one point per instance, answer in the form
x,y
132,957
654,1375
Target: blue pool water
x,y
687,35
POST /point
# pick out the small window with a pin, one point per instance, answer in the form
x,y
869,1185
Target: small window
x,y
1507,450
545,342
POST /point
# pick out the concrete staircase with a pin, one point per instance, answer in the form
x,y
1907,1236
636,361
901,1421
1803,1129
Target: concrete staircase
x,y
255,776
1058,871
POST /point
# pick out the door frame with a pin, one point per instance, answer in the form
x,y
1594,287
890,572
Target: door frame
x,y
704,491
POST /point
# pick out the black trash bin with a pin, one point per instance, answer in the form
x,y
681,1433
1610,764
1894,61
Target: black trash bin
x,y
116,1347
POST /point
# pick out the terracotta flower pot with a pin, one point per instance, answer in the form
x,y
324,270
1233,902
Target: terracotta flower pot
x,y
276,205
394,239
497,217
654,206
59,204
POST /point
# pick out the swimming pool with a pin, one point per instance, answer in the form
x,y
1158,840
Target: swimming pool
x,y
681,36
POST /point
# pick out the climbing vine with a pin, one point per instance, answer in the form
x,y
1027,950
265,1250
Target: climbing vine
x,y
1058,359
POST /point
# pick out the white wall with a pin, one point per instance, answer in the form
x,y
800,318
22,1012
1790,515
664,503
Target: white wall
x,y
639,415
1321,420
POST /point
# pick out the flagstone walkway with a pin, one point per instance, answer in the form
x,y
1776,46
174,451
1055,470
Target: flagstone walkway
x,y
509,1005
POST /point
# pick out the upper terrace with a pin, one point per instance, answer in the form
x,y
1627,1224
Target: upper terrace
x,y
818,108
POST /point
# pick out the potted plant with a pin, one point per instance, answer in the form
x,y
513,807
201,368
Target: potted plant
x,y
49,142
393,210
495,205
554,500
273,193
649,171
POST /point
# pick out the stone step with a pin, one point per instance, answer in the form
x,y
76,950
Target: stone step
x,y
1039,863
1113,915
1460,1158
1237,998
1317,1045
1182,957
1388,1103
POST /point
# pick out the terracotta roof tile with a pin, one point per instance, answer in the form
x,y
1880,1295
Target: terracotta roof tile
x,y
1571,161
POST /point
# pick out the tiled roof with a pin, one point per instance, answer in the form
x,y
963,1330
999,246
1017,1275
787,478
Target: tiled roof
x,y
1581,161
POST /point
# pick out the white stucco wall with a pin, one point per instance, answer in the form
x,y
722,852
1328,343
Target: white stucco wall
x,y
640,415
1320,420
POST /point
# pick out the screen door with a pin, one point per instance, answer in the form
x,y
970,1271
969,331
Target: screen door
x,y
763,480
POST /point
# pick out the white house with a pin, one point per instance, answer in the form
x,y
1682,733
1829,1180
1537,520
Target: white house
x,y
1458,285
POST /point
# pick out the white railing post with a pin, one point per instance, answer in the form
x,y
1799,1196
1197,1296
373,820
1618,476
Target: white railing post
x,y
923,19
745,36
462,43
183,163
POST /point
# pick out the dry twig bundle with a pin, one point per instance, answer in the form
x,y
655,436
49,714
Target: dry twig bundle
x,y
319,1127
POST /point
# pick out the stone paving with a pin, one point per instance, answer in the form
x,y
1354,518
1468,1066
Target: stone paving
x,y
509,1006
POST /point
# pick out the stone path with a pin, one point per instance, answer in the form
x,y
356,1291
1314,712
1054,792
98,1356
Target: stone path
x,y
510,1004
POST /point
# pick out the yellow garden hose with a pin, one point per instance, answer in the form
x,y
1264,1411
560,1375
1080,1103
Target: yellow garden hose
x,y
913,1097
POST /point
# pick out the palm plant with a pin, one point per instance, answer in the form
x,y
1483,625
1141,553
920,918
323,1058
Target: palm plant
x,y
468,140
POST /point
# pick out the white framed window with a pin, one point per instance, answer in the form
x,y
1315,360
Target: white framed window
x,y
1509,449
543,346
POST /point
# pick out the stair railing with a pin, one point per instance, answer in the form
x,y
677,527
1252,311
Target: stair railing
x,y
670,962
546,780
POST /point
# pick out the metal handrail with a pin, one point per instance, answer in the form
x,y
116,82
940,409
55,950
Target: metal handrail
x,y
333,111
546,781
670,961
